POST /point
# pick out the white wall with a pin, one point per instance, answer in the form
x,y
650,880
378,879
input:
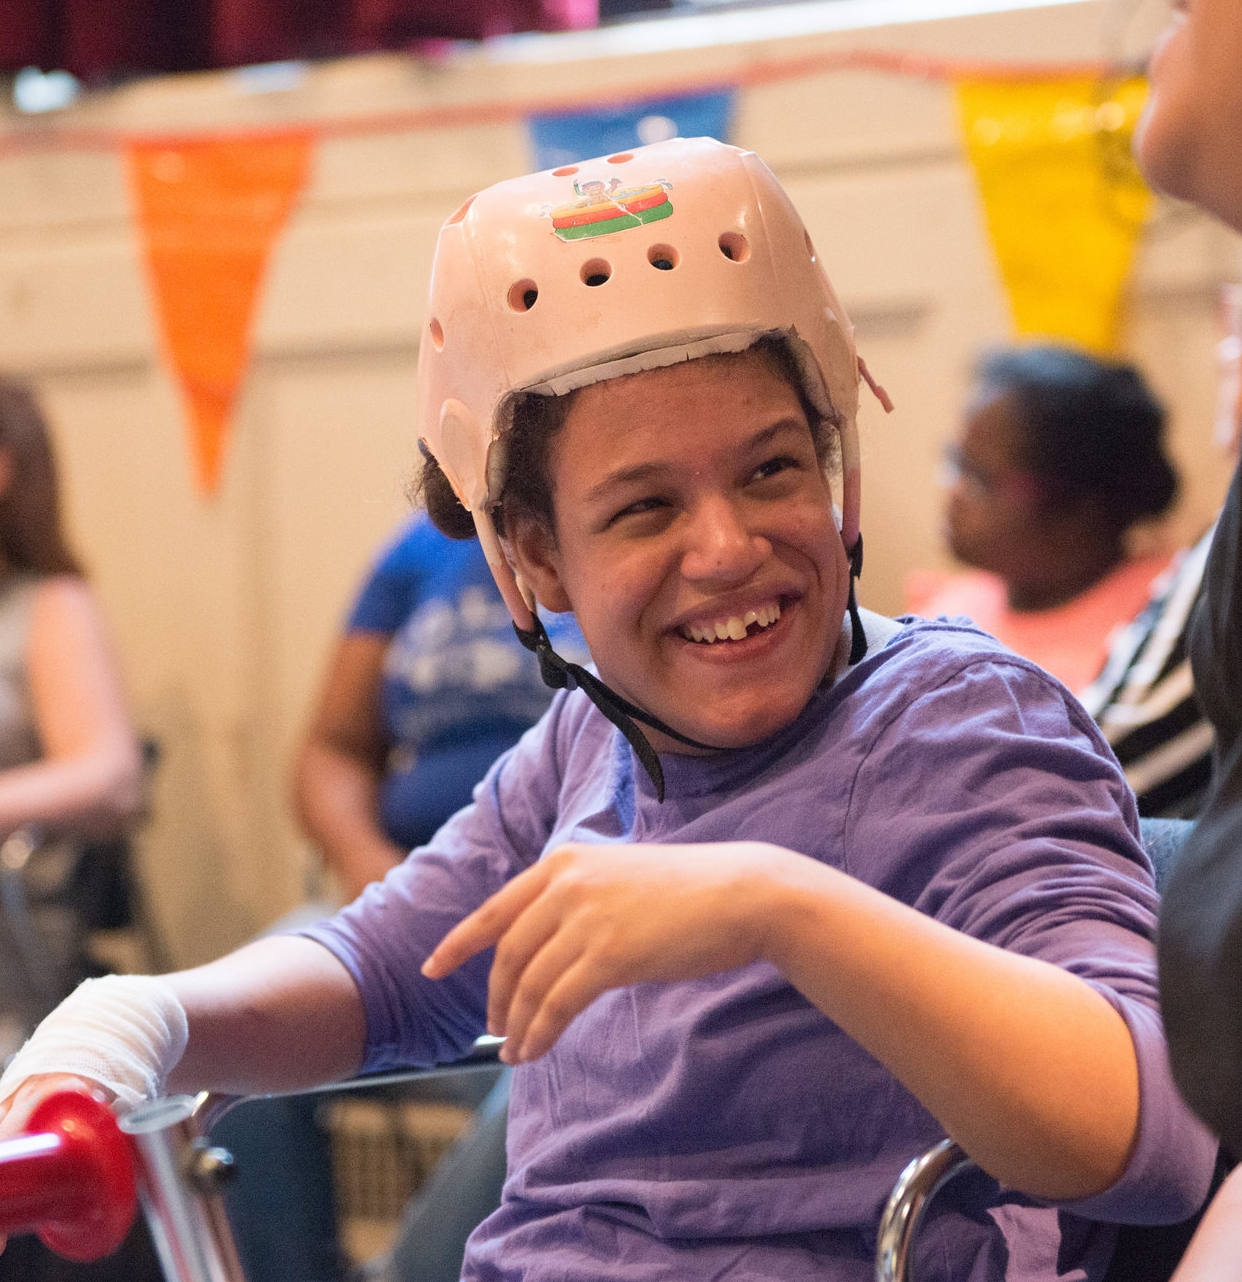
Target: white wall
x,y
224,608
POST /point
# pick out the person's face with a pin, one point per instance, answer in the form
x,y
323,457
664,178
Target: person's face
x,y
993,518
1186,142
689,505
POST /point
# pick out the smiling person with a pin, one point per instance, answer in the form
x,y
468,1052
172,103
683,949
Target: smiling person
x,y
784,891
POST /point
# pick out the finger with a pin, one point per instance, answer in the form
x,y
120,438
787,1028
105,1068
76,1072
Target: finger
x,y
485,926
569,995
542,945
529,959
19,1106
15,1111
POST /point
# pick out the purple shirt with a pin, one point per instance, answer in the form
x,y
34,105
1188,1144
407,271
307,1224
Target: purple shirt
x,y
725,1128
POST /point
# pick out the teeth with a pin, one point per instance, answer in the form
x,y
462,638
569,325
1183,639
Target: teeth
x,y
735,626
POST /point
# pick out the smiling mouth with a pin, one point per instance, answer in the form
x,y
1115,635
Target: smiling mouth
x,y
733,627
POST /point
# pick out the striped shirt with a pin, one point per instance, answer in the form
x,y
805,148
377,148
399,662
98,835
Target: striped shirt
x,y
1144,698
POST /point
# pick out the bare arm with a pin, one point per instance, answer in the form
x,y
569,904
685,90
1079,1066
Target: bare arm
x,y
280,1014
1216,1247
339,767
1025,1065
90,776
1028,1067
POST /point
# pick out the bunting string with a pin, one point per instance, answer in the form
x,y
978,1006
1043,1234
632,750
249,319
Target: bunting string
x,y
210,204
46,135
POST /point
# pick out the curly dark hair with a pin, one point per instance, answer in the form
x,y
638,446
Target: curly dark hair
x,y
536,421
1093,428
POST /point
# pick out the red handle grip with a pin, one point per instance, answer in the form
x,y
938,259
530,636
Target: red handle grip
x,y
70,1178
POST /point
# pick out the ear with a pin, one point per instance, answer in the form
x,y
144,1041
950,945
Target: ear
x,y
532,549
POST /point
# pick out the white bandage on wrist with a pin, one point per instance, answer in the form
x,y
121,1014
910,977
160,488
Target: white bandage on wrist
x,y
126,1032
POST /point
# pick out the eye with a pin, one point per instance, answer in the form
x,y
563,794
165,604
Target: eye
x,y
775,466
641,507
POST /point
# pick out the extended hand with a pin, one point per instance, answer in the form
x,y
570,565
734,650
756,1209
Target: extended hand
x,y
589,918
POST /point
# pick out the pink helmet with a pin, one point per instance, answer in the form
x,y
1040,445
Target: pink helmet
x,y
567,277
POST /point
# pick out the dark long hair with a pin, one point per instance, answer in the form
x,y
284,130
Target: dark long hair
x,y
31,536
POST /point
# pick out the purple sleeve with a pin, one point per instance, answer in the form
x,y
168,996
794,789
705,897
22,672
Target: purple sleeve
x,y
1024,835
386,934
1170,1169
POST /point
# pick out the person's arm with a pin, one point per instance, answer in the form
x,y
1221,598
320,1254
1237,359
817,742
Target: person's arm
x,y
90,775
1025,1065
280,1014
340,765
1216,1248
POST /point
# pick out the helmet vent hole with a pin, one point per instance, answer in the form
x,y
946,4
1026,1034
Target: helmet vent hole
x,y
596,272
437,334
810,247
663,257
565,171
620,158
522,296
734,246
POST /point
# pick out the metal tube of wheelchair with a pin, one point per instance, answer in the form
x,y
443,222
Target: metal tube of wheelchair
x,y
921,1180
180,1175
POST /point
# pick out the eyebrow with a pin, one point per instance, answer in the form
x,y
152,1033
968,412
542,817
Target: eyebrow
x,y
645,471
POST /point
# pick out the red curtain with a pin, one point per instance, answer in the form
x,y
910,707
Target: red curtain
x,y
104,39
101,40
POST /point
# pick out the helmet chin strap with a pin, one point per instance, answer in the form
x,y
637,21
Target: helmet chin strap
x,y
858,636
560,674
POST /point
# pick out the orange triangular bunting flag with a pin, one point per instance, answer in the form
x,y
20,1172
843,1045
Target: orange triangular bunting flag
x,y
209,212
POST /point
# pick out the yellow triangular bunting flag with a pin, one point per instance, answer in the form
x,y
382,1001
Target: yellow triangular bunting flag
x,y
1064,203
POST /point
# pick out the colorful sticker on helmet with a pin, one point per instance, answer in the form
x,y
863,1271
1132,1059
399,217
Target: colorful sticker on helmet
x,y
601,208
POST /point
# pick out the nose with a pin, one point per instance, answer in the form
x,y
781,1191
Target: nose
x,y
721,546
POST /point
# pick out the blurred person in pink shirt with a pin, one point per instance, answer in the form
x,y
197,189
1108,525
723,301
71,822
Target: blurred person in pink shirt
x,y
1061,456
